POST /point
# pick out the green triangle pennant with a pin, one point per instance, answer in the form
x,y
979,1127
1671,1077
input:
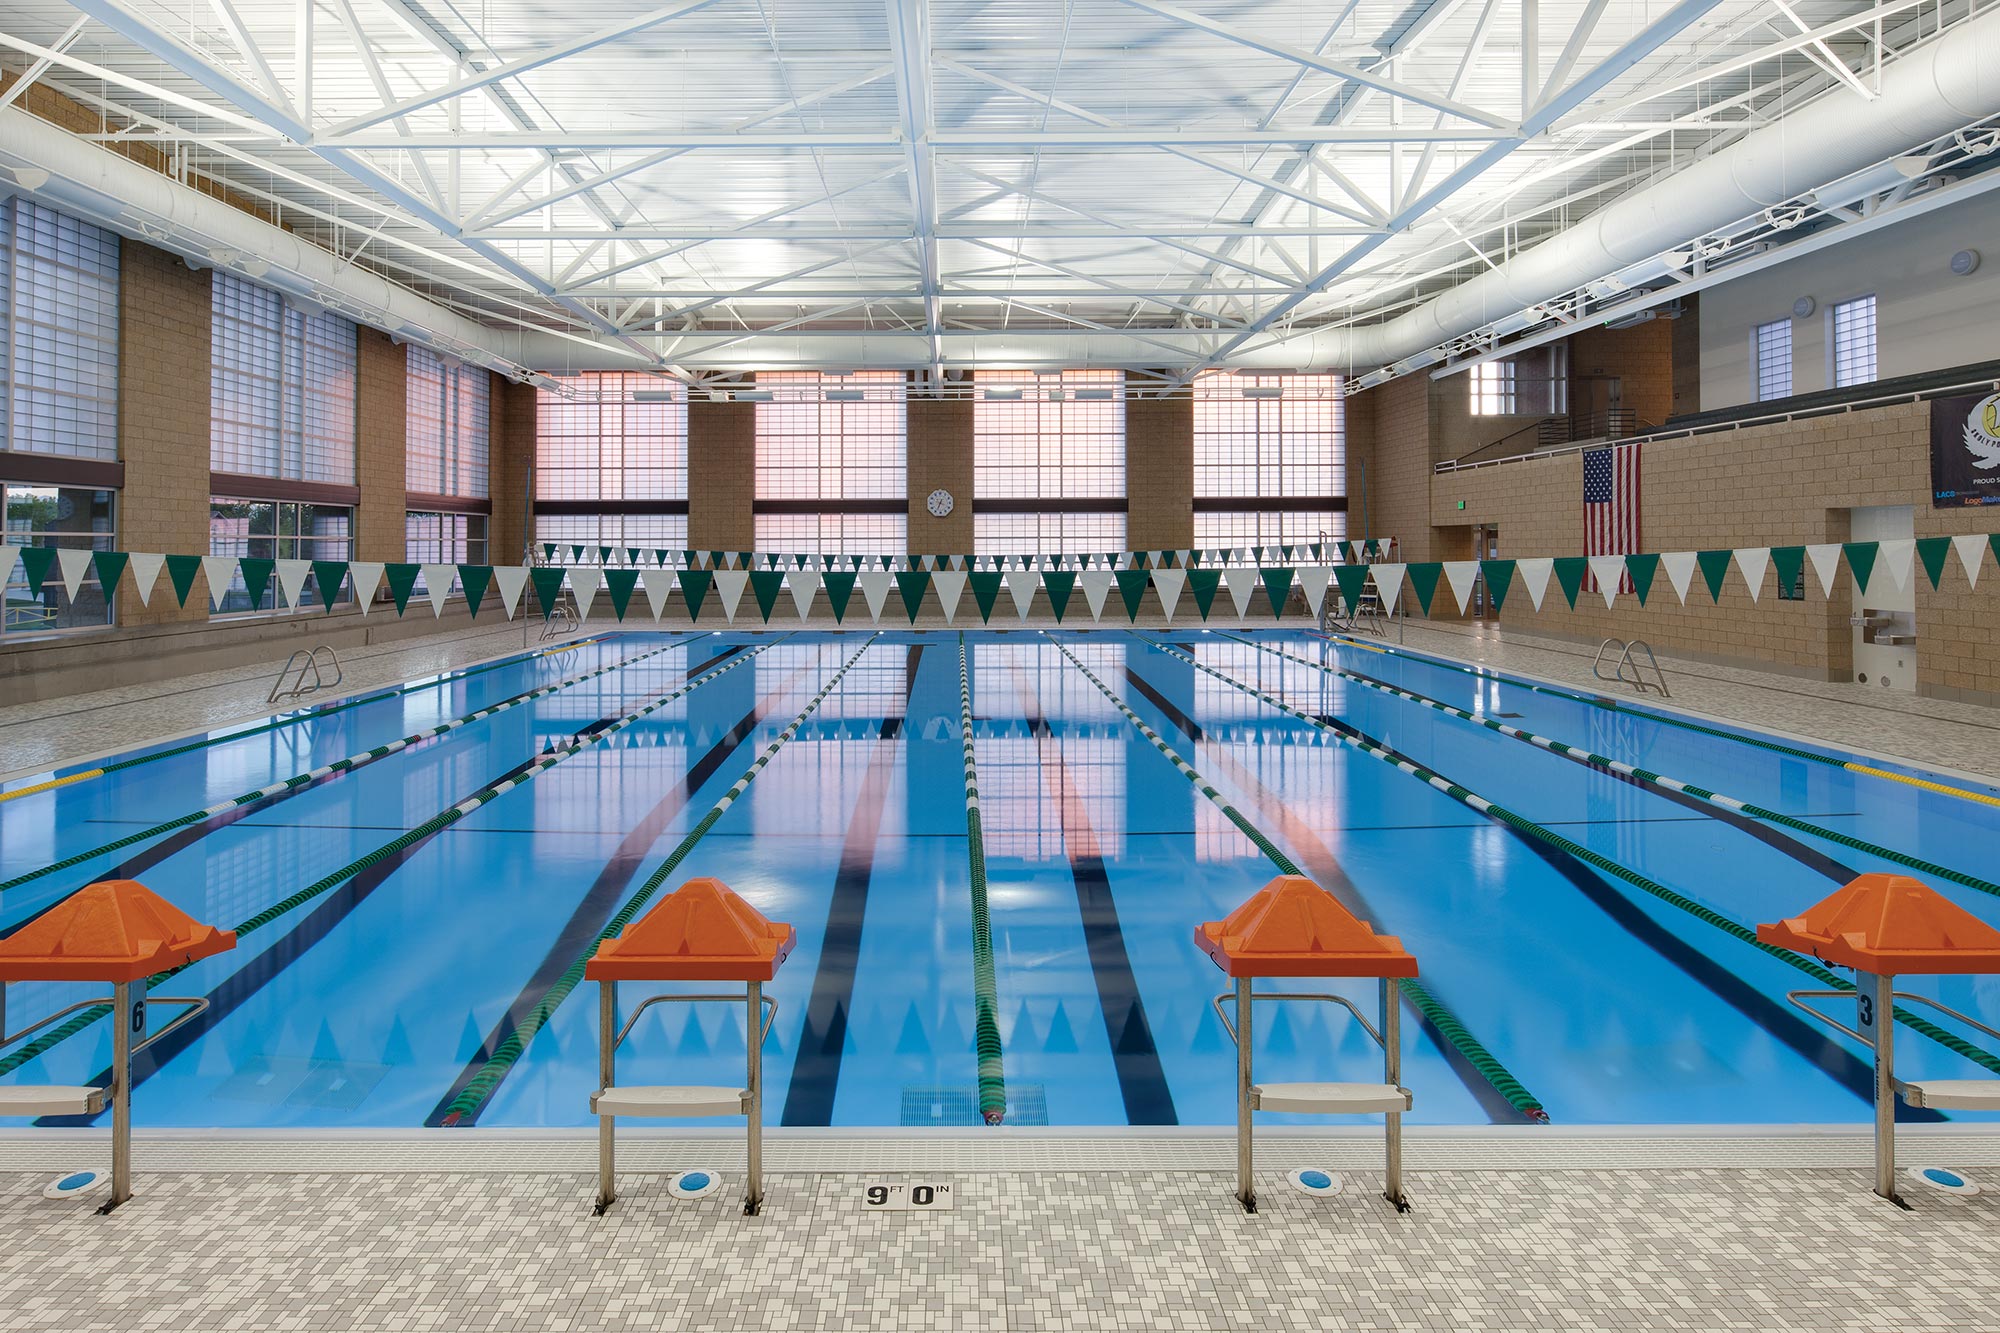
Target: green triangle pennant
x,y
1642,568
695,584
327,577
110,569
1790,562
256,577
985,591
632,555
1570,570
839,591
576,554
1352,579
619,584
1277,587
1714,566
548,581
475,579
1202,583
604,555
1861,559
35,563
402,578
1132,584
1932,551
913,586
1059,584
1424,581
765,585
548,550
181,570
1499,579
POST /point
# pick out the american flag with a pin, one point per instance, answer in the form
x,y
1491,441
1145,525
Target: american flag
x,y
1611,505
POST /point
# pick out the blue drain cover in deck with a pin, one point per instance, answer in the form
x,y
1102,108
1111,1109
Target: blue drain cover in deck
x,y
1315,1181
1949,1182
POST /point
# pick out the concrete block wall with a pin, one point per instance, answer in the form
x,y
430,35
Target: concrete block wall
x,y
381,429
510,467
939,458
722,475
1159,473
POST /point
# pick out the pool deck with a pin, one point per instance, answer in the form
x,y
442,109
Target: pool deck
x,y
1520,1230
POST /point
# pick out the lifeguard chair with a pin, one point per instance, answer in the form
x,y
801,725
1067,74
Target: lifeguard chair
x,y
1882,925
121,932
1294,928
702,931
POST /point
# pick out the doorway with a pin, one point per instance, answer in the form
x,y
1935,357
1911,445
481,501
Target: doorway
x,y
1884,621
1485,546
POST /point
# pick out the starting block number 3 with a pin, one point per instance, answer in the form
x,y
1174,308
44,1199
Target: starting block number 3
x,y
906,1198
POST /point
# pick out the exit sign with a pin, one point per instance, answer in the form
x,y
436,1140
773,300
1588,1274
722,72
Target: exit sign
x,y
1461,504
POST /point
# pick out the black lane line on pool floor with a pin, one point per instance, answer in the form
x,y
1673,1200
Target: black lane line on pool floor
x,y
240,986
1142,1081
1316,856
815,1077
607,891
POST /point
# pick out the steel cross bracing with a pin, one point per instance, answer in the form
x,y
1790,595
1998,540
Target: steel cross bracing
x,y
712,185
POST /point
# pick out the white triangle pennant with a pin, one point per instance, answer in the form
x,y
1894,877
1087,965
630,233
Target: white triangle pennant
x,y
1971,551
292,579
729,586
1680,571
1389,583
803,584
1021,585
1242,584
143,568
1096,586
1607,570
218,570
1168,584
1895,555
1535,577
437,585
659,585
950,587
1313,579
1825,560
75,564
1754,561
875,588
1460,574
584,583
510,579
367,576
9,553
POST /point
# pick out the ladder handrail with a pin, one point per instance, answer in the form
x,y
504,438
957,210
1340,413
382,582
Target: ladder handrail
x,y
1626,669
292,677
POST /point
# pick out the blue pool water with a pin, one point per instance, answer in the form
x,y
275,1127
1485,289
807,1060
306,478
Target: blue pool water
x,y
374,1002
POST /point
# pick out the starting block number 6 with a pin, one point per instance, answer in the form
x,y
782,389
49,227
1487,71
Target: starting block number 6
x,y
906,1198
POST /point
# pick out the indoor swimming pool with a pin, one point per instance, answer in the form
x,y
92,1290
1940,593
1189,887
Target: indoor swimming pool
x,y
413,916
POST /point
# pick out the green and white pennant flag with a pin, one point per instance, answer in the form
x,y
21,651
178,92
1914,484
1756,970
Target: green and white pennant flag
x,y
509,580
1824,557
292,579
875,585
1971,551
729,586
1461,574
437,585
1168,583
1242,584
219,570
803,585
1096,584
1313,580
1754,561
950,586
1895,554
367,577
585,582
74,565
1389,583
1609,571
1680,567
144,571
10,554
1021,585
1534,574
658,585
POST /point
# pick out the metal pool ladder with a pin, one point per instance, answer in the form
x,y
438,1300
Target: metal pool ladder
x,y
304,673
1627,668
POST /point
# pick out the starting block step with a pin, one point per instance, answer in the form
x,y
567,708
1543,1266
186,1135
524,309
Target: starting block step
x,y
49,1099
1958,1094
1329,1098
670,1101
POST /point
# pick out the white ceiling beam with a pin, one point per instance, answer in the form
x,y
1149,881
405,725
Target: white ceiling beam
x,y
910,54
1579,38
246,46
33,73
61,59
835,231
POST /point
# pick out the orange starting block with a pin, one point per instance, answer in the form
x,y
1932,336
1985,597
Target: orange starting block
x,y
1881,925
702,931
1294,928
121,932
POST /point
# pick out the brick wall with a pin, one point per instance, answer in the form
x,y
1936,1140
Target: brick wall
x,y
510,461
1399,472
1640,358
163,372
1159,473
381,427
940,457
722,475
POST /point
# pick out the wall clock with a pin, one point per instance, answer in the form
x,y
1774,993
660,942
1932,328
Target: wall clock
x,y
939,502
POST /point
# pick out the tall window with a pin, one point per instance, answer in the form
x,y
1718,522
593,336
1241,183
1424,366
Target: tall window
x,y
450,414
1492,389
279,530
1854,342
1270,459
281,387
59,321
1048,462
611,462
434,538
832,463
67,519
1774,359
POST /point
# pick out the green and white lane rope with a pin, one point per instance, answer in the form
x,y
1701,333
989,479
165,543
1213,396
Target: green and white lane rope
x,y
1647,776
1368,745
1433,1009
482,1084
985,989
287,720
435,824
342,766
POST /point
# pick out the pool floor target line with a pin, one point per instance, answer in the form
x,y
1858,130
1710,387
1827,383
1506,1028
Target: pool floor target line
x,y
992,1073
815,1080
613,880
1327,871
1142,1080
